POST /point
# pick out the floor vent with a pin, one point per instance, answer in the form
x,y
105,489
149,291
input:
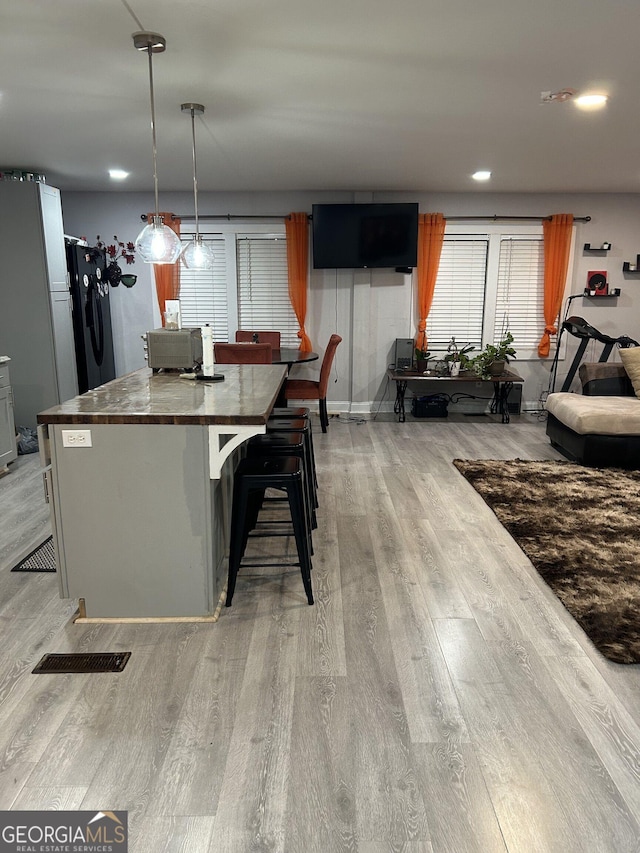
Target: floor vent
x,y
96,662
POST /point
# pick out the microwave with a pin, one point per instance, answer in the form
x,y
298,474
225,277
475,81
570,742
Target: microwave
x,y
173,349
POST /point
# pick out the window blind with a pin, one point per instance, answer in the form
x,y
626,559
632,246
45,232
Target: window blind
x,y
520,292
203,294
263,286
458,300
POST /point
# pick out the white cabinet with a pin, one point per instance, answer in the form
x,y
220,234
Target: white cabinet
x,y
8,450
36,326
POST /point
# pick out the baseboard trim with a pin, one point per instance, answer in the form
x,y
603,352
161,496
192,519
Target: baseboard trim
x,y
371,407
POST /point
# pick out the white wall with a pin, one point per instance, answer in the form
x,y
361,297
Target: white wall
x,y
370,309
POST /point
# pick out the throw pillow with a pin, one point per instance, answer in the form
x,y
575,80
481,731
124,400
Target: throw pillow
x,y
630,358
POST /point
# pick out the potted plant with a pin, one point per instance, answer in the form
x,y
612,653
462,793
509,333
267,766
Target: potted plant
x,y
458,359
493,358
422,356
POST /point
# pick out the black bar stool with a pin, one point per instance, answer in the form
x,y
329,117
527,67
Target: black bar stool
x,y
293,412
288,444
252,477
304,426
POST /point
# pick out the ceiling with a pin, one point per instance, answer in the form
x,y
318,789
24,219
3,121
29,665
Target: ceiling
x,y
358,95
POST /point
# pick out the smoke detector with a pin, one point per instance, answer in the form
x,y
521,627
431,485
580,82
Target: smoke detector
x,y
559,97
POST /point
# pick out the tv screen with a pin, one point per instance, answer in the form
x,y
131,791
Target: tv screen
x,y
365,235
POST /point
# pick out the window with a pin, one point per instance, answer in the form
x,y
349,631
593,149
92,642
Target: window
x,y
520,296
489,284
248,286
458,300
203,294
263,286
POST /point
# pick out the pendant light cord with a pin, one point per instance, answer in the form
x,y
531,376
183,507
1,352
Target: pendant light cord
x,y
196,255
195,172
157,243
153,131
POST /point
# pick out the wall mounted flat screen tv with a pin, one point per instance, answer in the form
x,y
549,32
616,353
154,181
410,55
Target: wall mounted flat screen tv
x,y
365,235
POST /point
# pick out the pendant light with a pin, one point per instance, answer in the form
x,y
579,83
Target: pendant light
x,y
156,243
197,255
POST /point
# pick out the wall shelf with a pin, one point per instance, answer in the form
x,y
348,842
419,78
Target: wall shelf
x,y
603,248
613,295
627,266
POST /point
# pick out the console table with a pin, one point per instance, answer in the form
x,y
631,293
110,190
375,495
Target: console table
x,y
502,386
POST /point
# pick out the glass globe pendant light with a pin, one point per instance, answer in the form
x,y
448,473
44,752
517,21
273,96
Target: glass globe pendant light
x,y
197,255
156,243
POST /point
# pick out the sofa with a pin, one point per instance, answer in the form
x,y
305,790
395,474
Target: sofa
x,y
600,427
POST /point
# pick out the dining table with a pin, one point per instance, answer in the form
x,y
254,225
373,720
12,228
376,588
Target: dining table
x,y
289,356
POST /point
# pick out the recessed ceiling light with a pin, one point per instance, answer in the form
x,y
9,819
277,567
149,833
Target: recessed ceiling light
x,y
482,175
591,102
118,174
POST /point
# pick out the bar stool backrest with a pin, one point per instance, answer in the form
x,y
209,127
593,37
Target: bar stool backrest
x,y
273,338
242,353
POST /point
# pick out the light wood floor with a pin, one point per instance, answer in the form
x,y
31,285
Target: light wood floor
x,y
437,697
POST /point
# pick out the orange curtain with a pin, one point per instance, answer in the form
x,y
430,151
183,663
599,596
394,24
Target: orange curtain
x,y
430,239
167,275
297,230
557,242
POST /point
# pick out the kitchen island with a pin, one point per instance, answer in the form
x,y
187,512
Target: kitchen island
x,y
139,476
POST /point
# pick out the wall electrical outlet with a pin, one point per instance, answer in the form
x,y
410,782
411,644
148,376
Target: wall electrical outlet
x,y
76,438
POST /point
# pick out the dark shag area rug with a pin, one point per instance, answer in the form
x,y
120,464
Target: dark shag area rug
x,y
580,529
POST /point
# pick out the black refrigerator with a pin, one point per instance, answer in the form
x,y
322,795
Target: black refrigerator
x,y
91,316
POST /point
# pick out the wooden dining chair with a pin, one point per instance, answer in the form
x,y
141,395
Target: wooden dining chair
x,y
310,389
242,353
273,338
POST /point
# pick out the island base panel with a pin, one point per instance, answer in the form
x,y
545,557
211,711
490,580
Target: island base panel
x,y
141,528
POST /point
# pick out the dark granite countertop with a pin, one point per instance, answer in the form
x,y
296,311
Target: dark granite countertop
x,y
246,396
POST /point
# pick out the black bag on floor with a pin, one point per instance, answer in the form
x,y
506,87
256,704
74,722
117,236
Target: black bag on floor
x,y
27,440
